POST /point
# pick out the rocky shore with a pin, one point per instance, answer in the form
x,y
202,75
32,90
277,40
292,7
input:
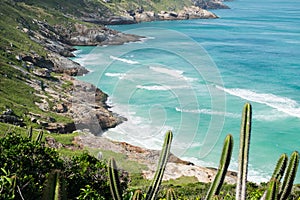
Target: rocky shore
x,y
176,167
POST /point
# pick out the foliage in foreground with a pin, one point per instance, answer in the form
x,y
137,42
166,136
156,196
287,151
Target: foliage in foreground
x,y
26,164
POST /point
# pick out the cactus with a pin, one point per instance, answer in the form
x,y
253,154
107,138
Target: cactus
x,y
153,189
224,163
115,187
137,195
39,137
171,194
278,172
272,192
289,177
244,152
280,167
55,187
29,133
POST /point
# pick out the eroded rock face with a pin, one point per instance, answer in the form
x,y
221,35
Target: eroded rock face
x,y
84,36
89,110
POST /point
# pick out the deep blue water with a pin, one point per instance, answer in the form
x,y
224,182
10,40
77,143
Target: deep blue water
x,y
193,77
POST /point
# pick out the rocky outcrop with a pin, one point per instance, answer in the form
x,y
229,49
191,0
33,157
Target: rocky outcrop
x,y
89,110
212,4
59,39
54,62
8,116
192,12
96,35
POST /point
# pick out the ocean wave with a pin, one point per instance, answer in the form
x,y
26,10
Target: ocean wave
x,y
118,75
160,87
282,104
171,72
208,112
124,60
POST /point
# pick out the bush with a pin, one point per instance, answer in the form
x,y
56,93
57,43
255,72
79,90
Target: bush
x,y
29,161
85,170
25,166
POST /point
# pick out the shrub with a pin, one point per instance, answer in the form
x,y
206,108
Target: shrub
x,y
29,161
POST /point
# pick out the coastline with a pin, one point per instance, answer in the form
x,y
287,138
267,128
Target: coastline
x,y
58,42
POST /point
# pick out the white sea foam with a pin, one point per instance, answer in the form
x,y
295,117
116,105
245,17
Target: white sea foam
x,y
160,87
171,72
118,75
124,60
208,112
283,104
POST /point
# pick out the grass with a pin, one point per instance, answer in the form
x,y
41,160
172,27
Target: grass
x,y
121,159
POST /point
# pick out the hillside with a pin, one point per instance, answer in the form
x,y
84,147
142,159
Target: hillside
x,y
36,37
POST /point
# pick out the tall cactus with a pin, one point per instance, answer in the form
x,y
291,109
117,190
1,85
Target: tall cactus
x,y
55,187
272,192
224,163
114,181
289,177
153,189
171,194
244,152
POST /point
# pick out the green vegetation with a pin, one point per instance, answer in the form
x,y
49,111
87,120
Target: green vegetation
x,y
26,164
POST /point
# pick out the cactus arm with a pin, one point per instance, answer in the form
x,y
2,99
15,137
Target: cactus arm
x,y
171,194
114,182
137,195
244,152
153,189
278,172
289,177
224,163
280,167
272,192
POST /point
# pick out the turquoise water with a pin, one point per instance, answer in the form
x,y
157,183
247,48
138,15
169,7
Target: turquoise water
x,y
193,77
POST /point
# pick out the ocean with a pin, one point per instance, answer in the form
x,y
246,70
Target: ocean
x,y
193,77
